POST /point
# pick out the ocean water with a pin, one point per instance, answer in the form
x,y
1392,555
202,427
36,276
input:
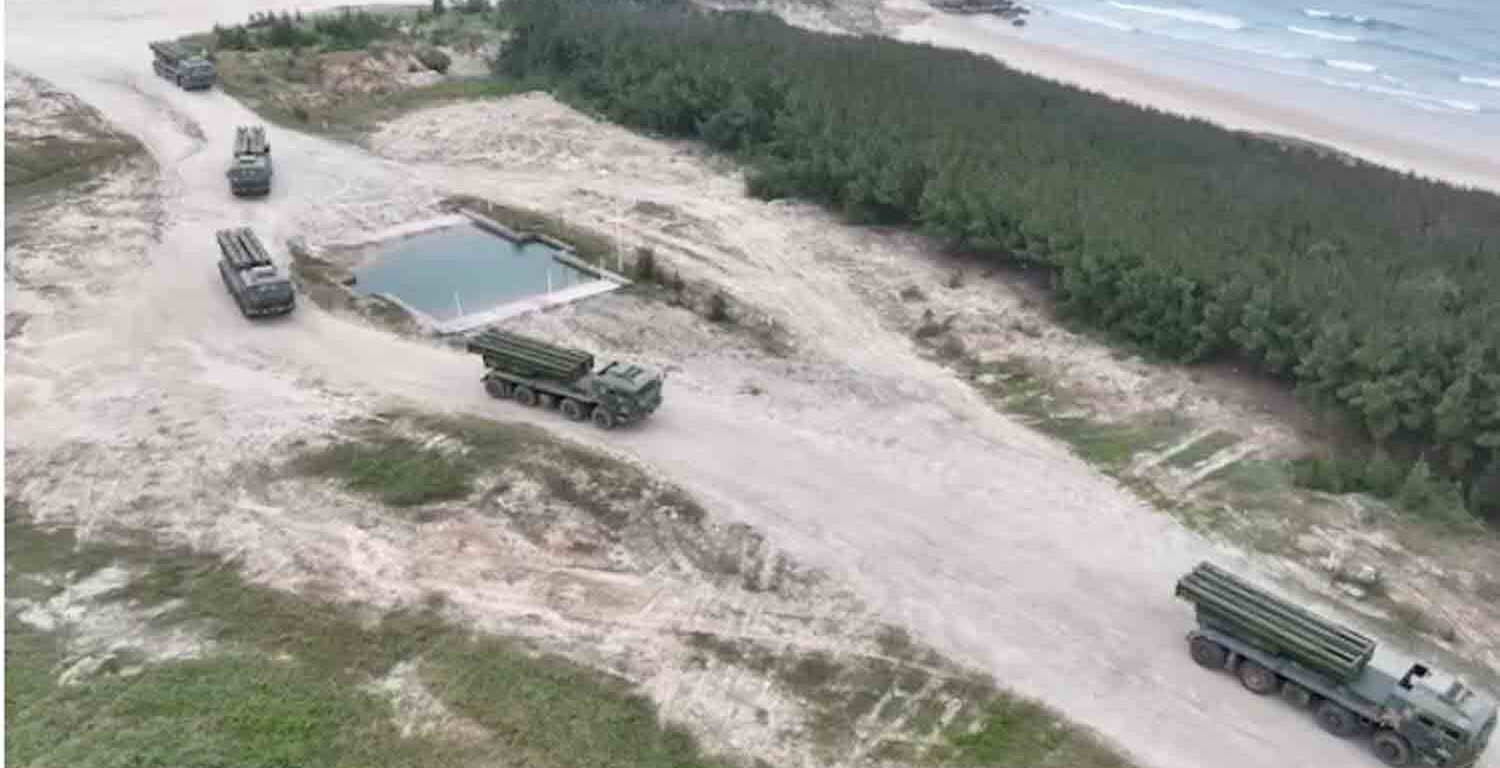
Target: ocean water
x,y
1440,57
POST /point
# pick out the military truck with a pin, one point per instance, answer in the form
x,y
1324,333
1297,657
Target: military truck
x,y
535,372
1273,646
250,171
191,71
252,279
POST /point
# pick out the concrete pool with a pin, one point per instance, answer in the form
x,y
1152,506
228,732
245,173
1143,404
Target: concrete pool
x,y
463,272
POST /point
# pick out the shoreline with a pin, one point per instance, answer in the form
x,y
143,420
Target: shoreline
x,y
1134,83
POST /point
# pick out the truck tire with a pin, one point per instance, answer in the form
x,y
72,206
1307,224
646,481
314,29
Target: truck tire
x,y
1208,653
603,419
1336,719
1295,694
1257,679
573,409
498,389
524,395
1392,748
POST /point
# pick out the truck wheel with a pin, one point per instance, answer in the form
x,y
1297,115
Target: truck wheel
x,y
1392,748
1295,694
1257,679
1336,719
525,396
572,409
1208,653
603,419
497,388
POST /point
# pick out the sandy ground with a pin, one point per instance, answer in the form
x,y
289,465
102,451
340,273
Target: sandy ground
x,y
860,457
1477,165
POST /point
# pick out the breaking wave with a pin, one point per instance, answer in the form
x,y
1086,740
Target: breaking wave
x,y
1103,21
1351,66
1488,82
1323,35
1351,18
1185,14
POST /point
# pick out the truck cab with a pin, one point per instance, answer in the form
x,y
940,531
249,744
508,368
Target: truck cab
x,y
250,174
1447,726
196,73
631,392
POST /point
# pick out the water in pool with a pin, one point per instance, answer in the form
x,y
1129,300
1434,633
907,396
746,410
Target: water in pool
x,y
461,270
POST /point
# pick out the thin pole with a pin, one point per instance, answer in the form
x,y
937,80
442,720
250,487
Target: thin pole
x,y
459,303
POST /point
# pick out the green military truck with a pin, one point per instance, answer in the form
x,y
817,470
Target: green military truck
x,y
533,372
252,279
1274,646
250,171
190,70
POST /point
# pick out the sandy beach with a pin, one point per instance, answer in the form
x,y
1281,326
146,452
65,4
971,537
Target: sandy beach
x,y
1344,125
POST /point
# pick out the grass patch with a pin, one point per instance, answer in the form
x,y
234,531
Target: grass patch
x,y
906,693
396,470
402,473
1202,449
287,685
277,86
277,65
1110,446
1017,389
75,147
554,714
1255,478
1017,733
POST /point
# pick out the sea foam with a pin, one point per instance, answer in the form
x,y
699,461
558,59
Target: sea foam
x,y
1185,14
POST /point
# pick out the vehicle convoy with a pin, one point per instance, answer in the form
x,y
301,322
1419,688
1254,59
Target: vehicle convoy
x,y
1275,646
191,71
535,372
250,171
252,279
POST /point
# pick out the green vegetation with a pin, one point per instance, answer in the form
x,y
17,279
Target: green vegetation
x,y
280,64
76,146
401,472
908,690
1022,734
1373,292
285,683
398,471
1202,449
1044,406
1416,488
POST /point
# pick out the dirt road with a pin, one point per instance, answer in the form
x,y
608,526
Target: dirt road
x,y
982,537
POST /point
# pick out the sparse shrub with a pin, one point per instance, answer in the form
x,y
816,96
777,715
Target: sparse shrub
x,y
1383,475
956,280
952,348
1318,473
1484,496
1431,496
434,59
353,30
300,112
930,327
718,308
645,265
399,472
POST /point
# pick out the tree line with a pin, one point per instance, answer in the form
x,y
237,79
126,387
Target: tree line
x,y
1372,291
